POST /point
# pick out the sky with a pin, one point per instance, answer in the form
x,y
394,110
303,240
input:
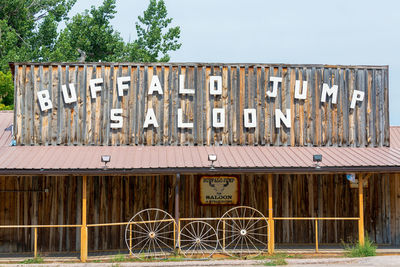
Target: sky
x,y
343,32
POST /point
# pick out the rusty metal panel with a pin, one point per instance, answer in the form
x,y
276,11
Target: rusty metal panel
x,y
87,120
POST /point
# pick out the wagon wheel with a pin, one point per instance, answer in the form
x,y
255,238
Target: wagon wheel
x,y
244,231
198,239
151,233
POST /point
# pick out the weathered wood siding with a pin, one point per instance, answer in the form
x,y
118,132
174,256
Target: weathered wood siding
x,y
313,123
117,199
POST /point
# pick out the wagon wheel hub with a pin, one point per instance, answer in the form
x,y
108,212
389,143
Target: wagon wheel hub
x,y
152,234
198,240
243,232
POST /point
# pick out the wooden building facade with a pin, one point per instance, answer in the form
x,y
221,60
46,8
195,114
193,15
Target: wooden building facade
x,y
60,105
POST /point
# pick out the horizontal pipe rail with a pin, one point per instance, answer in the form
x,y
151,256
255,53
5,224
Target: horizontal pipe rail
x,y
41,226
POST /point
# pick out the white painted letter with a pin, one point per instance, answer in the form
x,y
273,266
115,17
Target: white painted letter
x,y
150,119
280,117
67,99
357,96
213,90
44,100
329,91
250,117
297,93
121,82
116,116
93,87
182,89
218,123
182,124
275,81
155,86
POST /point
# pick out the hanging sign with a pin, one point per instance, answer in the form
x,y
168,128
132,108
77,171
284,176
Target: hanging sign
x,y
219,190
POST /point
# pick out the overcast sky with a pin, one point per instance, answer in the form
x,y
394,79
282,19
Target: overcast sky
x,y
254,31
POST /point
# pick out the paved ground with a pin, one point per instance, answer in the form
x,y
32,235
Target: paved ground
x,y
370,261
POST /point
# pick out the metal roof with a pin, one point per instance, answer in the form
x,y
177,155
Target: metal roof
x,y
190,159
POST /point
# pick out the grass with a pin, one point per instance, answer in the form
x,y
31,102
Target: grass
x,y
358,250
38,259
119,258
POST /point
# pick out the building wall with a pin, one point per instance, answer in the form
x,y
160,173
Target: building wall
x,y
117,199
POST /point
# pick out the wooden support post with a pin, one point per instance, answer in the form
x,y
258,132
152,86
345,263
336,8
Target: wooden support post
x,y
316,235
177,188
271,240
361,210
35,243
84,241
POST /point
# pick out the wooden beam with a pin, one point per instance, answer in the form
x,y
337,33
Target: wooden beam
x,y
271,241
361,210
84,241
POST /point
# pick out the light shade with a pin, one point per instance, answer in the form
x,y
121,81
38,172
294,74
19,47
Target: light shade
x,y
212,157
105,158
317,158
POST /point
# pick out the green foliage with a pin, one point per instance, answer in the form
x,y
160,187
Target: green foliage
x,y
119,258
92,33
28,29
36,260
358,250
6,91
155,39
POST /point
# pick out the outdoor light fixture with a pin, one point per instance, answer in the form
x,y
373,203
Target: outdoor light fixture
x,y
106,159
212,158
317,158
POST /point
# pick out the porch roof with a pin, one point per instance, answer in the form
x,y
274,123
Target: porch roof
x,y
191,159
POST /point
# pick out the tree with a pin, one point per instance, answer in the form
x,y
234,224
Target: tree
x,y
155,39
28,29
92,34
6,91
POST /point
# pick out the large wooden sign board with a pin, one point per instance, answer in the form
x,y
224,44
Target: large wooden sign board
x,y
200,104
219,190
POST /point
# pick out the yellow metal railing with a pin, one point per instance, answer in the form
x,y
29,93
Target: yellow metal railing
x,y
35,227
315,219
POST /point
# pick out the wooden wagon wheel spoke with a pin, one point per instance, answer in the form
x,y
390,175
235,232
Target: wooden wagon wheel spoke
x,y
200,239
150,233
243,230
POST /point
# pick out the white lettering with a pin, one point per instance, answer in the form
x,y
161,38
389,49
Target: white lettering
x,y
116,116
155,86
44,100
121,82
182,89
275,81
218,118
329,91
250,117
357,96
182,124
67,98
215,90
297,93
93,87
280,117
150,119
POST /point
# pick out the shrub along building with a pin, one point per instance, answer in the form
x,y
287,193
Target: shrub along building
x,y
160,122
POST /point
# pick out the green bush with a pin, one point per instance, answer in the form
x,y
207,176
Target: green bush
x,y
366,250
38,259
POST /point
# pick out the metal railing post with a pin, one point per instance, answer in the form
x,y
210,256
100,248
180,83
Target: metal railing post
x,y
316,235
35,243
